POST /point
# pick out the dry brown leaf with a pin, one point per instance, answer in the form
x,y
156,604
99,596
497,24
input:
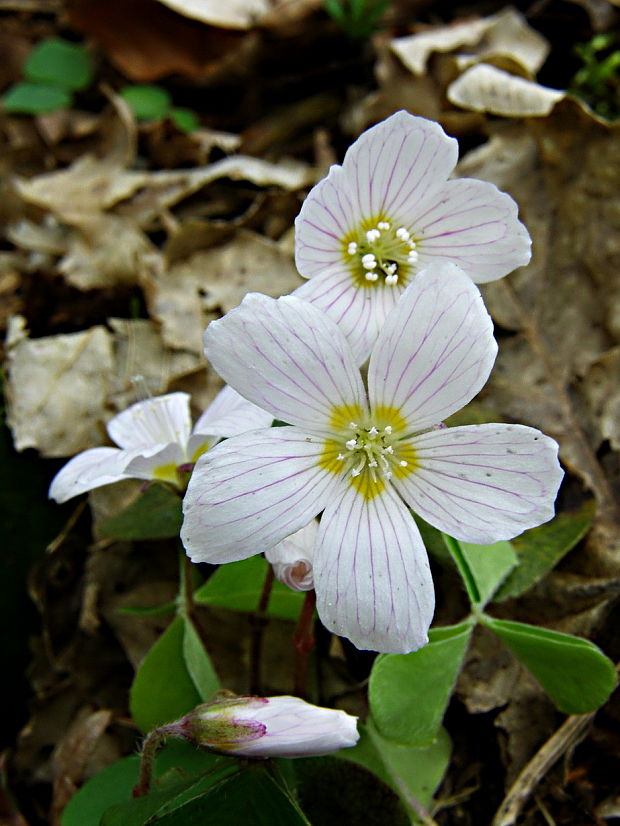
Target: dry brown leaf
x,y
56,388
485,88
505,33
185,296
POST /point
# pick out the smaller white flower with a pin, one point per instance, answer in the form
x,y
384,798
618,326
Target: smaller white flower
x,y
156,442
267,727
291,559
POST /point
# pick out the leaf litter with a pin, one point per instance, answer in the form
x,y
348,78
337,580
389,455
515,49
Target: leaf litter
x,y
180,227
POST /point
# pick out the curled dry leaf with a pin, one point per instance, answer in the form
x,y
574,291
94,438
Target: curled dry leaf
x,y
504,34
485,88
56,388
233,14
187,294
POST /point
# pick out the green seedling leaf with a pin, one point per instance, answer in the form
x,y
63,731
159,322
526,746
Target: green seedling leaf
x,y
156,514
409,693
574,672
489,566
198,663
540,549
60,63
410,772
238,586
335,791
163,689
185,120
35,99
147,101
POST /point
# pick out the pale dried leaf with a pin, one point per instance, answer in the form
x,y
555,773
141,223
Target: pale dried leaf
x,y
485,88
56,390
185,296
233,14
505,34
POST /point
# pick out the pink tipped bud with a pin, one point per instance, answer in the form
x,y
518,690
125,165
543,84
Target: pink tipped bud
x,y
292,558
268,727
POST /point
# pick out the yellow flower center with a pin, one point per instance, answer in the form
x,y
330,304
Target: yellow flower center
x,y
369,453
380,251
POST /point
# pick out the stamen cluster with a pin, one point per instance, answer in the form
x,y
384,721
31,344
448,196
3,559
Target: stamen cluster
x,y
382,251
371,450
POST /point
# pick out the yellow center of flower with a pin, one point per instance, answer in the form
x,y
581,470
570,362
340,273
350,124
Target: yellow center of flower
x,y
380,251
369,450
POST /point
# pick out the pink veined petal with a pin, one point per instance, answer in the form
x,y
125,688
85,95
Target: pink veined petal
x,y
436,349
359,313
89,470
474,225
163,458
250,492
483,483
229,414
401,161
156,421
371,573
287,357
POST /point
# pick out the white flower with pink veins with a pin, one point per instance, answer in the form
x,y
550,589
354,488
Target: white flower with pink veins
x,y
291,559
157,442
367,229
363,454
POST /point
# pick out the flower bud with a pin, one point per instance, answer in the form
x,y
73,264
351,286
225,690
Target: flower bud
x,y
268,727
292,558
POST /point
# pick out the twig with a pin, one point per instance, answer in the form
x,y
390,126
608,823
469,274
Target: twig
x,y
259,621
569,734
303,640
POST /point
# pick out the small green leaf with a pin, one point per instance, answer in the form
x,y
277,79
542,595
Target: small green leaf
x,y
35,98
186,120
408,693
574,672
409,771
540,549
334,791
112,785
147,101
467,575
490,565
60,63
238,586
199,663
163,689
155,514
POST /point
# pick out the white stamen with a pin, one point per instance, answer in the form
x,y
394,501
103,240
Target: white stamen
x,y
390,280
412,244
352,248
351,444
388,449
391,268
403,234
371,276
369,262
373,464
388,429
353,425
373,235
383,225
373,432
413,256
402,463
340,457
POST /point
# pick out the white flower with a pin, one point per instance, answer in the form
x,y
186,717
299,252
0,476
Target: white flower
x,y
156,441
268,727
366,229
363,456
291,559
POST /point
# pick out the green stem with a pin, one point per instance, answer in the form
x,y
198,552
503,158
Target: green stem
x,y
463,568
150,747
186,606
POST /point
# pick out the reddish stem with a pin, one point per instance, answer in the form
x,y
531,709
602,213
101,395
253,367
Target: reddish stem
x,y
303,640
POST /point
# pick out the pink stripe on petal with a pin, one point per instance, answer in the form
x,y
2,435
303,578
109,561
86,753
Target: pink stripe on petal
x,y
436,349
287,357
371,573
474,225
483,483
252,491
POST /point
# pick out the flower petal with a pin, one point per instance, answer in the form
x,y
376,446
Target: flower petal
x,y
250,492
474,225
401,161
157,462
292,558
156,421
287,357
89,470
371,573
483,483
360,314
436,349
229,414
